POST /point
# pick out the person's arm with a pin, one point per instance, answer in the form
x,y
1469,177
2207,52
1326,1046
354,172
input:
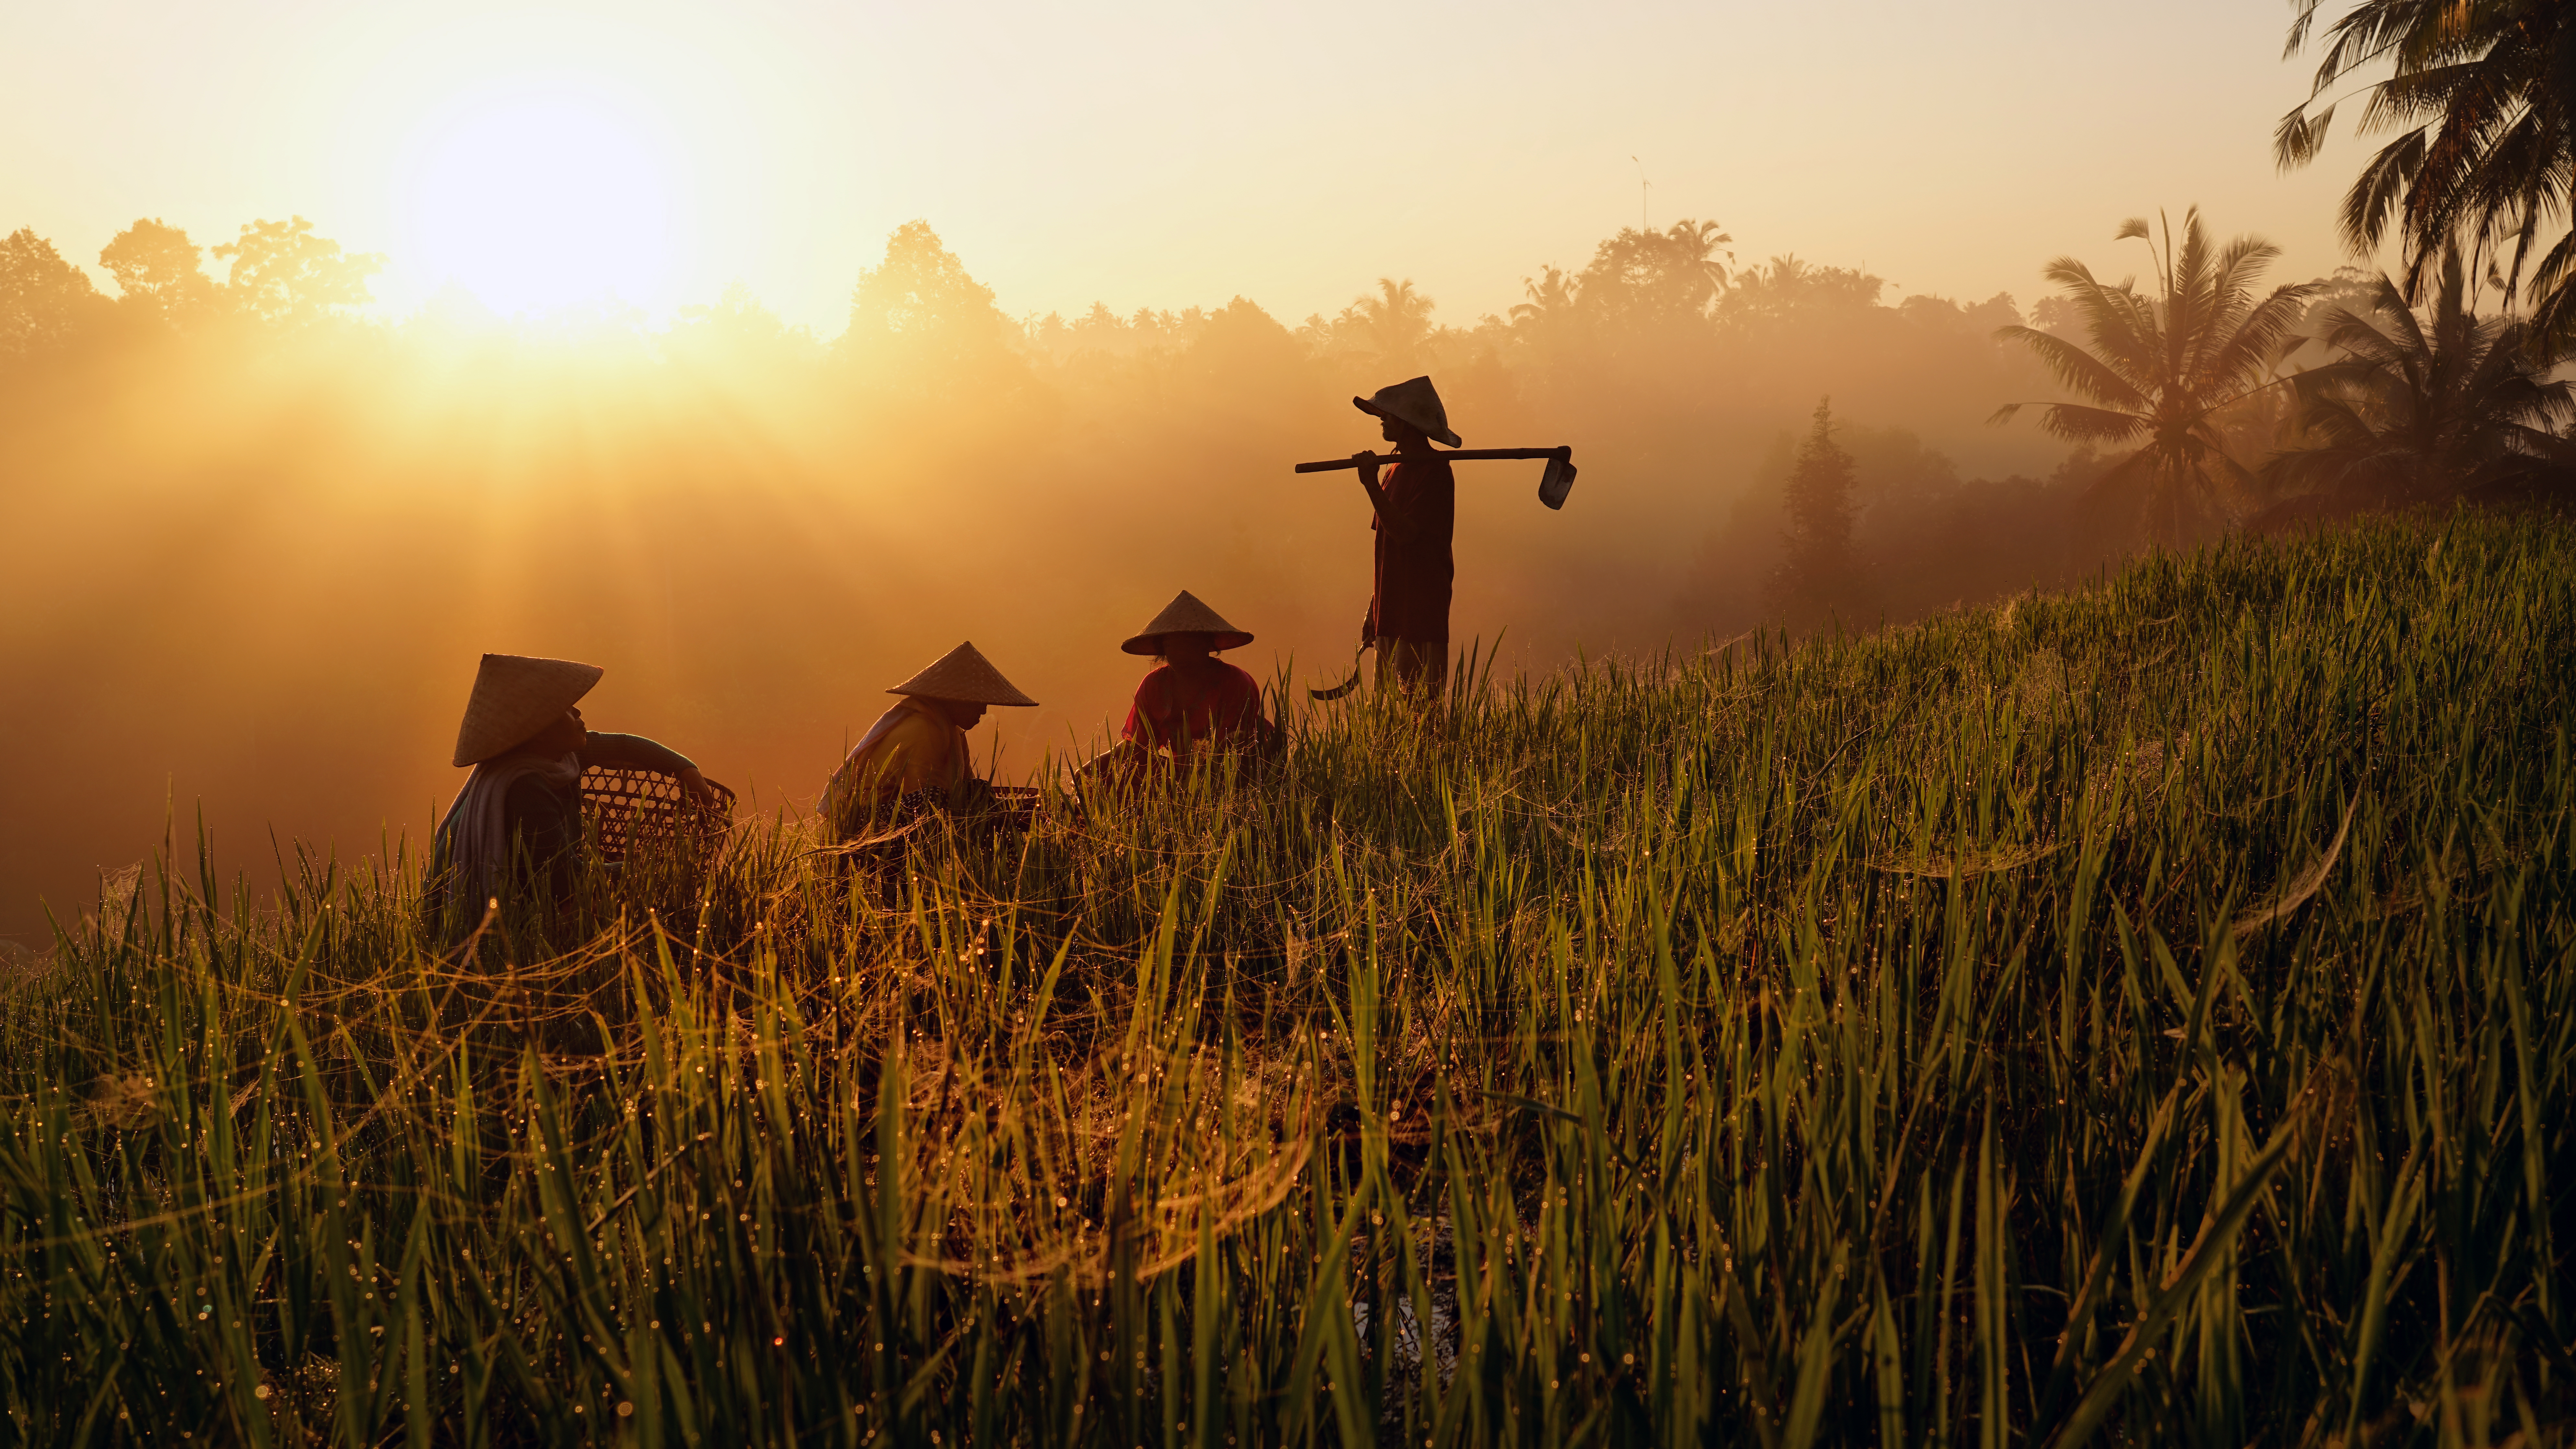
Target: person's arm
x,y
635,752
1395,518
1387,520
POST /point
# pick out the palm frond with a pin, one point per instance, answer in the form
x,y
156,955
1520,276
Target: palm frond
x,y
2082,372
2077,423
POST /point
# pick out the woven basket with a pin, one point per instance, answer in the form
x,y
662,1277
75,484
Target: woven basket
x,y
628,808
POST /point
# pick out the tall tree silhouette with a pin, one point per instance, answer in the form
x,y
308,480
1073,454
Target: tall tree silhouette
x,y
2483,96
158,274
1816,574
1391,327
1789,290
921,325
46,303
2162,368
283,274
2422,408
1646,277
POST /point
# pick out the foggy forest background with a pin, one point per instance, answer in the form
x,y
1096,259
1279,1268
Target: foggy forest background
x,y
257,541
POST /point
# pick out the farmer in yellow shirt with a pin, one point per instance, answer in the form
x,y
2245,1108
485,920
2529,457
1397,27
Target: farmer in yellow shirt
x,y
916,754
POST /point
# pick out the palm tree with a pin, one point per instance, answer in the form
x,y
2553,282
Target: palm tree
x,y
1659,276
1393,325
1551,298
2484,95
2162,369
2430,407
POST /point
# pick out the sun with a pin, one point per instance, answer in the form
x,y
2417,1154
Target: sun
x,y
539,203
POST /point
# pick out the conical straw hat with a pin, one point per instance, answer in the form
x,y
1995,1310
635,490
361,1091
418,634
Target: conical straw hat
x,y
963,675
514,697
1414,401
1186,615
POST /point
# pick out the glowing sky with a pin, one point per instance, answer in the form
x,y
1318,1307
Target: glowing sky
x,y
1151,154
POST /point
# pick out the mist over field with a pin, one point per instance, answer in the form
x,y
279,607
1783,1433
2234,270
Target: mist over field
x,y
1998,873
257,554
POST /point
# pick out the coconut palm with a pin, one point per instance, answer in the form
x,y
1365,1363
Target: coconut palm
x,y
2421,408
2163,369
1552,299
2483,93
1658,277
1393,327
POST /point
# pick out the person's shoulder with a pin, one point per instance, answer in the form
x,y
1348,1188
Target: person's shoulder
x,y
918,722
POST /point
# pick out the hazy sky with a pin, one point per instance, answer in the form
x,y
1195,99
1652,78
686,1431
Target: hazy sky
x,y
1151,154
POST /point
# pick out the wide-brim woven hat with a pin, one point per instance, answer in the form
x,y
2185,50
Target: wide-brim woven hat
x,y
1186,615
964,675
1413,401
514,697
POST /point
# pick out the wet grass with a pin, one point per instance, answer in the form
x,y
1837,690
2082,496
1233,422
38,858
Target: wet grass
x,y
2144,1015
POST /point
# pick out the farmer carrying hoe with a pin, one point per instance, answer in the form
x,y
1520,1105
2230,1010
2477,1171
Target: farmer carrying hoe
x,y
1417,504
1417,509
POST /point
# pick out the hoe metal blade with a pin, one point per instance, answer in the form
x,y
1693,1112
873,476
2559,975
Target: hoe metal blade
x,y
1558,480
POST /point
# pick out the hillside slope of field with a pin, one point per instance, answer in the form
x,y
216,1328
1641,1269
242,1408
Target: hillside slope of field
x,y
2144,1015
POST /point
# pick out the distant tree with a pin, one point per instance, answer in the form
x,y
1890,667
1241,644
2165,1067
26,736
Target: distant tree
x,y
1816,573
2484,97
1789,289
1100,330
158,275
1978,318
2423,408
1657,277
283,274
1552,295
1551,322
737,329
921,325
2055,315
1241,340
2162,369
1388,331
46,303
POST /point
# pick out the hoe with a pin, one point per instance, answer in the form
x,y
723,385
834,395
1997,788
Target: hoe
x,y
1553,485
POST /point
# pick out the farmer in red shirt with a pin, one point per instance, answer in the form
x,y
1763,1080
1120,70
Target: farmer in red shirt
x,y
1417,506
1195,701
1192,703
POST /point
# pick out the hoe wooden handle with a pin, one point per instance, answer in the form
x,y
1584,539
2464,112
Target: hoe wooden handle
x,y
1470,454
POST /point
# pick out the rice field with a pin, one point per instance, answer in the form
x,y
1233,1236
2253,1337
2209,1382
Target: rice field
x,y
2144,1015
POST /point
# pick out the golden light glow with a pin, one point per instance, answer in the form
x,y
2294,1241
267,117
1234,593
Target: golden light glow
x,y
543,202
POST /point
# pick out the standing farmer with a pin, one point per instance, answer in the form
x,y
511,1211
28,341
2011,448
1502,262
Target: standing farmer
x,y
1417,508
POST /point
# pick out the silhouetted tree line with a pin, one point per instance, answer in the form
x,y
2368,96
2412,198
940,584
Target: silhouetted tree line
x,y
277,274
2201,405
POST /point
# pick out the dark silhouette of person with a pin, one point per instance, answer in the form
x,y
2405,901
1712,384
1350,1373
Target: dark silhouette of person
x,y
1195,701
1417,510
520,811
1191,704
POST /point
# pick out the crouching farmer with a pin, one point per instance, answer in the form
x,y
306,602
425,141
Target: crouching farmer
x,y
915,757
1193,705
517,824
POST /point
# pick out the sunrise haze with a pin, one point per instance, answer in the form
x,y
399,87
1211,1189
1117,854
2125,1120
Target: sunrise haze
x,y
1150,155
